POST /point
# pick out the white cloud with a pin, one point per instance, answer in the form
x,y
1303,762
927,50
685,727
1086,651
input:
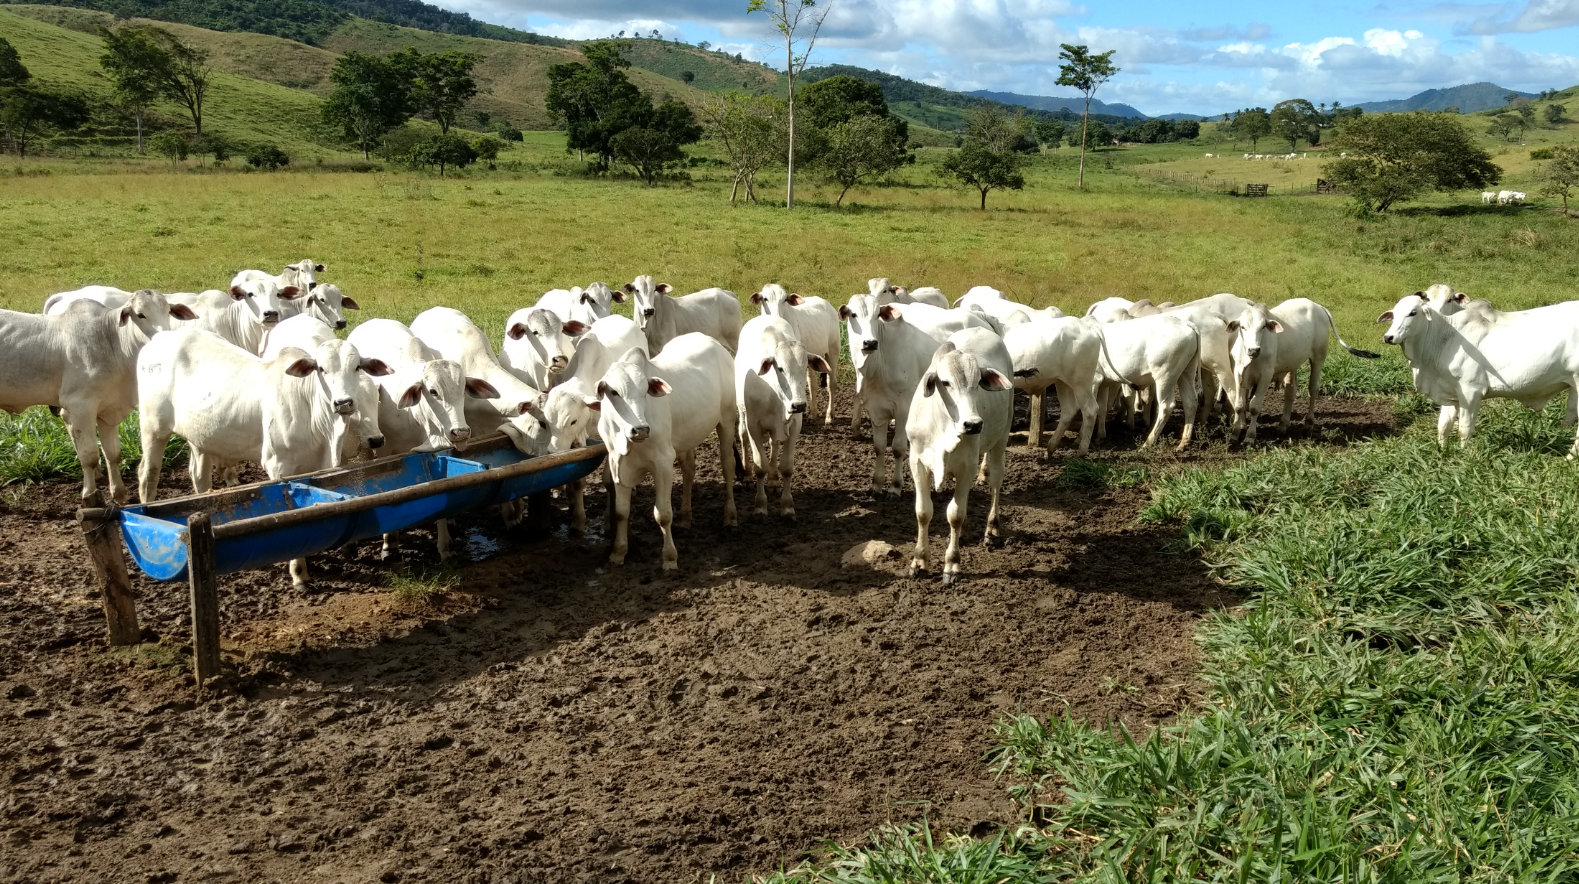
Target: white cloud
x,y
1537,15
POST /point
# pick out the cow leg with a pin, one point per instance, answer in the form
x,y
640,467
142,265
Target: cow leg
x,y
387,550
1085,398
879,452
995,462
298,570
1467,412
1066,417
787,468
153,457
1104,401
79,426
620,507
662,508
202,470
1165,393
901,446
726,428
832,380
1033,436
687,479
1445,419
110,440
1253,391
442,529
856,410
922,478
1188,396
578,507
956,527
1288,403
760,501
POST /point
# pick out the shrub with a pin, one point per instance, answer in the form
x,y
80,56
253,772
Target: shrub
x,y
173,146
268,157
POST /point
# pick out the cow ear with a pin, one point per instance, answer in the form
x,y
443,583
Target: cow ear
x,y
412,395
1233,325
376,367
756,297
1273,325
319,268
1385,317
1460,297
574,327
629,288
766,366
657,386
929,384
619,294
290,292
181,311
794,300
993,380
516,332
1421,296
237,292
349,304
889,312
845,312
478,388
126,314
818,364
664,288
302,367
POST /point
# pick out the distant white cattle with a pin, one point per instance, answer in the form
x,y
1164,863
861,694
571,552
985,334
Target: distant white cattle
x,y
816,326
651,411
84,362
958,426
714,312
1488,197
1461,360
770,394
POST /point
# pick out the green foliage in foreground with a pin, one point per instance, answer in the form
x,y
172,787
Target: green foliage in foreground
x,y
34,447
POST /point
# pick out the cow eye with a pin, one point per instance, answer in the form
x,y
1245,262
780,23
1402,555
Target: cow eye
x,y
141,316
1413,312
433,392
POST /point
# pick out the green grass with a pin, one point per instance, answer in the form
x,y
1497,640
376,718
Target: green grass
x,y
421,587
34,446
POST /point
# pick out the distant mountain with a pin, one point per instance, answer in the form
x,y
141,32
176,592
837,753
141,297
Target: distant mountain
x,y
1469,98
1075,104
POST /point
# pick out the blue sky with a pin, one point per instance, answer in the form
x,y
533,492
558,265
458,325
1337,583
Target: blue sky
x,y
1174,57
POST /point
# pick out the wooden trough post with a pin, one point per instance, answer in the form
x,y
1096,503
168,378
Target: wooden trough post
x,y
205,597
100,531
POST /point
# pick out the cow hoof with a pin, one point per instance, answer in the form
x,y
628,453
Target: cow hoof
x,y
759,511
949,578
787,512
671,566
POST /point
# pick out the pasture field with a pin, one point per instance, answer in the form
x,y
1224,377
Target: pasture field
x,y
1344,658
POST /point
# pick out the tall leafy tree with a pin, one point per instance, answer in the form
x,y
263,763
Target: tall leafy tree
x,y
988,158
1294,119
1253,123
12,71
371,98
750,129
1396,157
442,83
184,79
136,66
1560,174
656,142
796,21
27,112
1085,71
862,148
595,100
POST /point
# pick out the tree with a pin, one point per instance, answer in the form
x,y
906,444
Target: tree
x,y
987,158
1098,136
371,97
655,144
1556,113
185,78
860,148
441,84
830,103
749,128
1252,123
487,148
268,157
791,18
1505,125
688,77
172,146
12,71
1048,132
1187,130
443,150
595,100
1085,72
1294,119
1560,174
1396,157
27,111
136,64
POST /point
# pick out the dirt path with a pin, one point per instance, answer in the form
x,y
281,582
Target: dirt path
x,y
557,720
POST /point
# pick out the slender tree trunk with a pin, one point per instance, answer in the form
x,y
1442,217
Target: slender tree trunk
x,y
1083,118
734,190
139,115
789,72
984,198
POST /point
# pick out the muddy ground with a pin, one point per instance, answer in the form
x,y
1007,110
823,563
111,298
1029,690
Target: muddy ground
x,y
554,719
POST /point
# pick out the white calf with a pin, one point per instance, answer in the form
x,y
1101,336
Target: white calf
x,y
1210,317
770,393
1162,353
516,409
816,326
1061,353
357,431
83,361
652,410
584,305
244,314
1269,347
325,302
958,425
537,345
714,312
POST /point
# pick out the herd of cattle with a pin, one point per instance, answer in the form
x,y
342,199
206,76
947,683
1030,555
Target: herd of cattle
x,y
256,373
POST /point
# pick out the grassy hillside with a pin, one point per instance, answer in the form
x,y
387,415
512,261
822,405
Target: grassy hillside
x,y
713,71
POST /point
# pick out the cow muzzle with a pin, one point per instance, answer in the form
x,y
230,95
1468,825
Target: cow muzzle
x,y
344,406
639,434
557,364
648,312
868,345
1254,352
375,442
1387,339
797,408
971,427
270,317
460,434
339,324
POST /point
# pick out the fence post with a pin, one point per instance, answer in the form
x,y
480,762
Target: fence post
x,y
205,597
99,532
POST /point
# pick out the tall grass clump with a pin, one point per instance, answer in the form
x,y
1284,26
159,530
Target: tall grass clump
x,y
34,446
1398,702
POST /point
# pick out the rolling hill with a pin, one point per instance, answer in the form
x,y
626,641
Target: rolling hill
x,y
1075,104
1468,98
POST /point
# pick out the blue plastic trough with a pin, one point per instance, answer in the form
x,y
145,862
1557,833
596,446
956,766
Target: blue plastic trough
x,y
261,524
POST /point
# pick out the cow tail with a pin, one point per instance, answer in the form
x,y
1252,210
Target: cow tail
x,y
1363,354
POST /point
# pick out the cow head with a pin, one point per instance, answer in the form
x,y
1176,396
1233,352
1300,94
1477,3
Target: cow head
x,y
1410,311
1251,331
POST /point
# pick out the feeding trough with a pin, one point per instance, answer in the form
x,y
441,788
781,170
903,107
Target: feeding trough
x,y
201,536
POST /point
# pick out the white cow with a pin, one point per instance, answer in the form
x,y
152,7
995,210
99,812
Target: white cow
x,y
887,293
1062,353
243,314
103,295
83,361
958,426
890,345
584,305
1510,197
1161,353
537,345
324,301
357,431
302,275
816,325
1269,347
1481,352
569,419
1487,197
770,394
714,312
1106,309
1210,317
516,409
652,410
